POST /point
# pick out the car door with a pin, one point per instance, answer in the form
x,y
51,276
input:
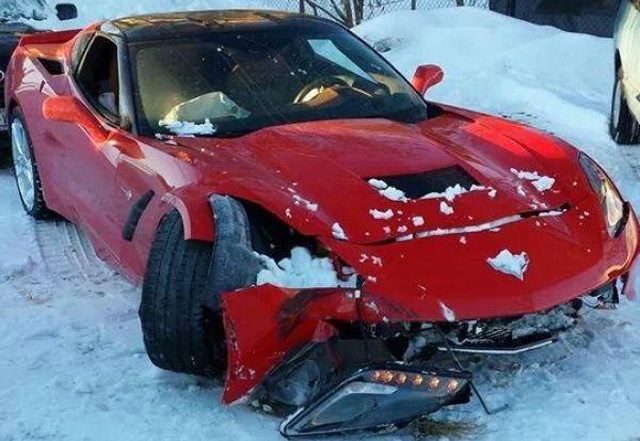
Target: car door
x,y
86,167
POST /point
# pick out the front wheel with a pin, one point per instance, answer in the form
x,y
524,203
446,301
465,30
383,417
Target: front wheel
x,y
180,307
623,127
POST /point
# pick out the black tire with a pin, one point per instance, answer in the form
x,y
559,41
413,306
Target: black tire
x,y
35,207
180,307
623,126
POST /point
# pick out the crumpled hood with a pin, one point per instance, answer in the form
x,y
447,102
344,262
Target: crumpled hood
x,y
318,171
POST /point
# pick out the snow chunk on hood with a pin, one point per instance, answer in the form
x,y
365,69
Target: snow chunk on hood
x,y
450,193
508,263
338,232
541,183
187,128
302,270
381,215
388,191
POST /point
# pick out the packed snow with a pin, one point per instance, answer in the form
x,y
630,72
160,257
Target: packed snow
x,y
381,215
388,191
445,209
302,270
188,128
509,263
541,183
73,364
338,232
451,193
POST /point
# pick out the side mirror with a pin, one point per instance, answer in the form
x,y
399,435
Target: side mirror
x,y
70,109
427,76
66,11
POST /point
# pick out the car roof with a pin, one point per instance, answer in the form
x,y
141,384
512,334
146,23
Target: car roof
x,y
149,27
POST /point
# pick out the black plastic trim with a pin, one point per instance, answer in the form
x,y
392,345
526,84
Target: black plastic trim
x,y
135,213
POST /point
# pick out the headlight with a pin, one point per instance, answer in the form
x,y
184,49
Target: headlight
x,y
377,398
613,207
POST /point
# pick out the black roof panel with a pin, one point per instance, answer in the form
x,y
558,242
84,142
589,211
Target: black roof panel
x,y
178,24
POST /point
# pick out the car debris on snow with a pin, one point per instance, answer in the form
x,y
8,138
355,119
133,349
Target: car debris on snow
x,y
508,263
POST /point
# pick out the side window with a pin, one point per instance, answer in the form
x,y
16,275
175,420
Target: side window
x,y
98,77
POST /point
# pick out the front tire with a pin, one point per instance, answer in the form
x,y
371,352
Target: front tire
x,y
180,308
25,169
623,127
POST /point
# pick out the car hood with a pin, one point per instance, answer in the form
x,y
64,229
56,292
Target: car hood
x,y
315,175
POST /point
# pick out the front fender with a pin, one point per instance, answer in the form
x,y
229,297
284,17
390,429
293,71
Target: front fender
x,y
195,211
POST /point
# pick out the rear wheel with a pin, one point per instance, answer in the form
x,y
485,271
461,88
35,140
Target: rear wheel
x,y
623,126
25,169
180,308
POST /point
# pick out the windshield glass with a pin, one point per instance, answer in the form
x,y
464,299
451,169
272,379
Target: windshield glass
x,y
231,83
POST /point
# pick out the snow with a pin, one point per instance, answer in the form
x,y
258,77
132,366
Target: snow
x,y
338,232
302,270
73,364
187,128
508,263
447,313
445,209
381,215
308,205
449,194
388,191
541,183
418,221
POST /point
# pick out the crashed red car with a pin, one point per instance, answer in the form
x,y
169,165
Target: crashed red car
x,y
301,219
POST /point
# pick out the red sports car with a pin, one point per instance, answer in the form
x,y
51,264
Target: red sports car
x,y
301,219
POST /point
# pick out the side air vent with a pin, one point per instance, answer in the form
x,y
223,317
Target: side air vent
x,y
417,185
53,67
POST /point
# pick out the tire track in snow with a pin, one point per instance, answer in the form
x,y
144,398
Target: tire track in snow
x,y
66,251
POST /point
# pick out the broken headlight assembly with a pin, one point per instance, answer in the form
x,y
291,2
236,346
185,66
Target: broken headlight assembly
x,y
614,209
383,397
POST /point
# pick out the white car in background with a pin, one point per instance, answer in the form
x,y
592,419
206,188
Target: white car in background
x,y
625,107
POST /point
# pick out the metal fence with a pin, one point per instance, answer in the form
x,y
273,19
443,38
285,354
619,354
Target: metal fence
x,y
353,12
590,16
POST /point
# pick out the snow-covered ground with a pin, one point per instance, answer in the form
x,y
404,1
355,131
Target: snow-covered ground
x,y
72,361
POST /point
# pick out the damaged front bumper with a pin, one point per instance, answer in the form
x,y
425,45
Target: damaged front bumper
x,y
332,358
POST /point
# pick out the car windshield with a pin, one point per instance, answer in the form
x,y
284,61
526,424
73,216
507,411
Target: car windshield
x,y
232,83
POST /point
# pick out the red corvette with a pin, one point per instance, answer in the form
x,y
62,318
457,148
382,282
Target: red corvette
x,y
301,219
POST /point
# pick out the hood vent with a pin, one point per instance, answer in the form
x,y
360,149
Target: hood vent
x,y
417,185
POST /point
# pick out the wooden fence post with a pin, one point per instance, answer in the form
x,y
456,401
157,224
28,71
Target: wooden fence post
x,y
413,5
302,6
